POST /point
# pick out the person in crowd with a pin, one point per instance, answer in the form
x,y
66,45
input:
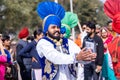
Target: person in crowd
x,y
23,34
106,37
30,38
6,41
31,49
83,33
97,31
84,27
114,48
13,51
4,58
12,66
109,27
78,40
107,68
56,53
94,43
7,44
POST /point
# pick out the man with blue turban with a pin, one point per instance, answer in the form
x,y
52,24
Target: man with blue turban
x,y
56,53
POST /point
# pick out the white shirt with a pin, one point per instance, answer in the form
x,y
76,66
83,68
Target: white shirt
x,y
45,48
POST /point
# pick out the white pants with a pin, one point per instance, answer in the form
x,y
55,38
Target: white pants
x,y
36,74
80,75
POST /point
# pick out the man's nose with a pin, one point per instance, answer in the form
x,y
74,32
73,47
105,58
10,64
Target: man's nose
x,y
57,28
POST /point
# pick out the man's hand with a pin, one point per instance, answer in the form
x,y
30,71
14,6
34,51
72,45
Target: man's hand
x,y
105,46
93,56
98,69
34,60
8,70
86,55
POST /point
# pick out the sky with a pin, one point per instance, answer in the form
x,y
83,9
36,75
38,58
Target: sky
x,y
102,0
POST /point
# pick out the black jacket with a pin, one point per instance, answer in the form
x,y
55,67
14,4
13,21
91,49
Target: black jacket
x,y
99,49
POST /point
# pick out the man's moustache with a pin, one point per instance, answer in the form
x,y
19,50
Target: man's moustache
x,y
57,32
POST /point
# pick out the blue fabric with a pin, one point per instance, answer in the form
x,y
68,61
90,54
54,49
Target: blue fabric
x,y
65,44
107,72
48,7
63,30
54,70
8,55
51,20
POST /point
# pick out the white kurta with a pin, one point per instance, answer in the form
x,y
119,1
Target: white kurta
x,y
45,48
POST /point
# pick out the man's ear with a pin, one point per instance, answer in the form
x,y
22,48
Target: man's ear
x,y
47,32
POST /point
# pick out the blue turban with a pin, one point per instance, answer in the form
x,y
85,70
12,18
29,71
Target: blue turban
x,y
62,30
51,13
52,19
